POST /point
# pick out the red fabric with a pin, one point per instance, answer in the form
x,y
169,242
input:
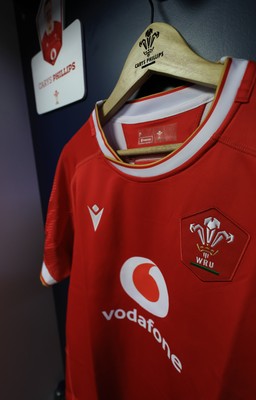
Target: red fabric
x,y
143,322
52,43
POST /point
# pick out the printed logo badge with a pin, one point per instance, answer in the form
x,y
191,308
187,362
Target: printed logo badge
x,y
56,95
148,41
212,245
96,215
143,281
150,48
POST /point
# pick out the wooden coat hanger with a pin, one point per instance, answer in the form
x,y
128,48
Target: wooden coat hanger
x,y
160,49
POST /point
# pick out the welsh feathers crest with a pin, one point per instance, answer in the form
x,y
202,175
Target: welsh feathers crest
x,y
210,235
148,41
212,245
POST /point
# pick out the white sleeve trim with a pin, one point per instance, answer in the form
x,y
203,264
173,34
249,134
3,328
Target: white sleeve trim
x,y
47,278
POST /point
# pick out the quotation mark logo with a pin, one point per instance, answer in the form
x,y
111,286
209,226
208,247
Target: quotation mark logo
x,y
143,281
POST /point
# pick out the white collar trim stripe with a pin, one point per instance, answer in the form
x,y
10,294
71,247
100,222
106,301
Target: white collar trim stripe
x,y
222,106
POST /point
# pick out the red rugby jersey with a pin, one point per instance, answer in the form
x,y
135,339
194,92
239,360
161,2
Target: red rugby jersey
x,y
161,252
51,43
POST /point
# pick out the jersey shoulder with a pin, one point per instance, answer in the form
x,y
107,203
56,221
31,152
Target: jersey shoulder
x,y
241,131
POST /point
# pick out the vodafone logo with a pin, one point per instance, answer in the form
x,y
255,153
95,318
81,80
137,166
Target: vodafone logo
x,y
143,281
53,54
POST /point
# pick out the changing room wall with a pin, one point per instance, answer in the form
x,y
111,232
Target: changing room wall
x,y
30,356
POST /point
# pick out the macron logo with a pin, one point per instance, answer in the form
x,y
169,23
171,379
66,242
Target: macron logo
x,y
143,281
96,215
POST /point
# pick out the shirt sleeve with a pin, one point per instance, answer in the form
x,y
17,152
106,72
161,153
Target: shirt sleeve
x,y
58,228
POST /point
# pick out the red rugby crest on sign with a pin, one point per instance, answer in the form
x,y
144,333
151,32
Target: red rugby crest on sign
x,y
212,245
